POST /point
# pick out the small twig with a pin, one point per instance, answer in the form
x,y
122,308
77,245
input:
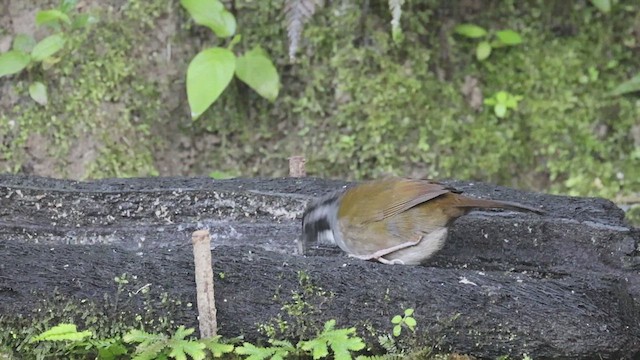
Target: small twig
x,y
204,284
296,166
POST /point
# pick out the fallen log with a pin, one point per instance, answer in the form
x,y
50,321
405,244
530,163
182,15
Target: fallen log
x,y
564,285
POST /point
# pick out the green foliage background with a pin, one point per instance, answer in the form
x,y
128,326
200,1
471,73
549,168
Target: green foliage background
x,y
356,104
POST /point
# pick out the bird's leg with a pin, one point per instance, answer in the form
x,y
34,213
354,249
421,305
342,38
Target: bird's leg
x,y
378,255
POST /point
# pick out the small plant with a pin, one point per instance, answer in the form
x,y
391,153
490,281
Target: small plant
x,y
502,101
341,341
484,48
26,53
62,332
211,70
149,346
277,351
407,320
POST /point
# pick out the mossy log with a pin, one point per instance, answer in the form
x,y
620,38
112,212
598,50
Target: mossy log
x,y
562,285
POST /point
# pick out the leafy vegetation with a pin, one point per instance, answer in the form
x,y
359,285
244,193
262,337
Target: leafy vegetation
x,y
484,48
27,53
211,70
356,106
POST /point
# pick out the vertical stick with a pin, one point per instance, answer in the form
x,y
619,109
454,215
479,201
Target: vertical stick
x,y
296,166
204,284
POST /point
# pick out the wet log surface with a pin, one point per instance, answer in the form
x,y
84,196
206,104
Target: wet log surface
x,y
562,285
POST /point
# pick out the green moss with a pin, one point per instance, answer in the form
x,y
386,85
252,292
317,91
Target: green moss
x,y
96,98
358,106
381,108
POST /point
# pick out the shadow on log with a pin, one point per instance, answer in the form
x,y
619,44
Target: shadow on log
x,y
565,285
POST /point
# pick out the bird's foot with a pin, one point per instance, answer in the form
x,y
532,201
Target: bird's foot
x,y
378,255
378,258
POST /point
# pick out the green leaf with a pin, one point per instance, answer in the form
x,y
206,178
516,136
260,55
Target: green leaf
x,y
212,14
139,336
51,17
62,332
629,86
502,96
318,347
180,349
411,322
234,41
500,110
470,31
24,43
341,342
397,330
256,70
602,5
483,50
47,47
109,349
208,75
509,37
38,93
396,319
13,62
216,347
408,312
490,101
260,353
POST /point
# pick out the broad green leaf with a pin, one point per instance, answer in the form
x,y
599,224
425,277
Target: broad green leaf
x,y
483,50
51,16
256,70
502,96
397,330
500,110
24,43
62,332
13,62
396,319
408,312
38,93
470,31
411,322
212,14
208,75
509,37
629,86
602,5
47,47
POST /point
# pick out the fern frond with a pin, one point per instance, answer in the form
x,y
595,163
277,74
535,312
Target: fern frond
x,y
297,12
395,6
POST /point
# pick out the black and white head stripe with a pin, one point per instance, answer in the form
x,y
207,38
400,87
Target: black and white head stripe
x,y
319,221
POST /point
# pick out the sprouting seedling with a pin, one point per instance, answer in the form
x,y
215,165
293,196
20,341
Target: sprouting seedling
x,y
407,320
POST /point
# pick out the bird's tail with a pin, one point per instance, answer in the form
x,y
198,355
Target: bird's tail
x,y
487,204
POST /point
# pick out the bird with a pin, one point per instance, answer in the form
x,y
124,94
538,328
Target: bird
x,y
393,220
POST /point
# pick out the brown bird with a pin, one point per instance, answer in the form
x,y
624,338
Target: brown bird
x,y
393,221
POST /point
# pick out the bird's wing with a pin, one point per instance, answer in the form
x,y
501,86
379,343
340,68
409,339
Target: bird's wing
x,y
407,193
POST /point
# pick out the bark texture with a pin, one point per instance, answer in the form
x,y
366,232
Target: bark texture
x,y
563,285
